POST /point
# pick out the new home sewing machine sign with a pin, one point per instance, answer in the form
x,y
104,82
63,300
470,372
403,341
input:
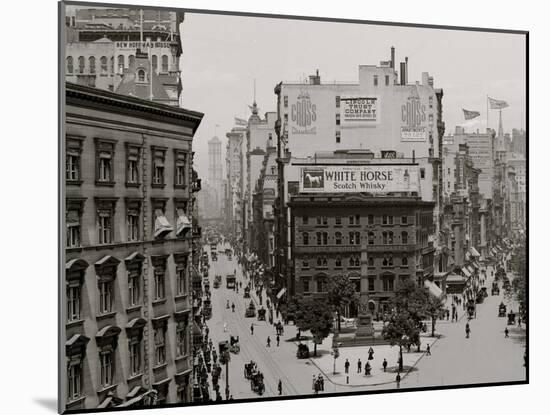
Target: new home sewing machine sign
x,y
357,179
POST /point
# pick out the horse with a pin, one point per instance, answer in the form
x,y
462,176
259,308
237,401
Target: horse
x,y
314,181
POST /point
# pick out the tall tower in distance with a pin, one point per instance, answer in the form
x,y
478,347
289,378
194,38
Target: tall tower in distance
x,y
215,173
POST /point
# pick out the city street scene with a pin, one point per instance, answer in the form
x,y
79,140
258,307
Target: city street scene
x,y
260,207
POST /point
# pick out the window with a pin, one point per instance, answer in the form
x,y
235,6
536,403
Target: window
x,y
390,260
181,339
387,77
388,283
318,220
422,173
81,64
160,346
371,261
354,220
133,287
338,220
338,262
305,263
73,302
324,220
318,236
375,79
305,238
106,362
371,219
70,65
131,61
73,228
155,63
105,296
91,64
337,119
120,63
286,118
104,169
354,261
180,167
404,261
384,219
181,280
371,283
321,284
431,101
371,238
159,155
134,354
338,136
133,225
132,171
105,151
404,238
305,285
141,75
103,64
337,101
403,220
325,238
159,285
390,238
322,262
285,101
112,64
305,220
384,238
105,226
74,380
338,238
164,63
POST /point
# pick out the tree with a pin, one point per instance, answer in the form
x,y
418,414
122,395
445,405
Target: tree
x,y
434,307
312,314
401,330
341,292
519,283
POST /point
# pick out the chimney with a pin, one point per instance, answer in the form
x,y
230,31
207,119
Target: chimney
x,y
392,58
406,70
315,79
402,73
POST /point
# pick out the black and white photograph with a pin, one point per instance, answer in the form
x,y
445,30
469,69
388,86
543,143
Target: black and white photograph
x,y
271,207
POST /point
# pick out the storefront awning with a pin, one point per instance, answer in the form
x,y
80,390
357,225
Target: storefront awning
x,y
474,252
281,293
433,288
455,279
466,272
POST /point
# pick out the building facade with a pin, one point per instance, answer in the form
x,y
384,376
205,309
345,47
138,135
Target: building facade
x,y
128,184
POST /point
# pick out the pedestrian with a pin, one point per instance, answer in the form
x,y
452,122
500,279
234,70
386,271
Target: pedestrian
x,y
467,330
506,332
278,340
367,369
428,351
280,387
346,366
313,382
398,379
359,369
385,364
519,321
233,307
447,312
268,341
321,381
252,329
371,353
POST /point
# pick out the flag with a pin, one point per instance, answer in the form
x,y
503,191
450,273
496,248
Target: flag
x,y
497,104
240,121
470,115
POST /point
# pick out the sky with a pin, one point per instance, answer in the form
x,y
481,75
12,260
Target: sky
x,y
223,56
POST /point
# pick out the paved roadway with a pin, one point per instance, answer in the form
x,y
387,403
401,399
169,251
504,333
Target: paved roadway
x,y
485,357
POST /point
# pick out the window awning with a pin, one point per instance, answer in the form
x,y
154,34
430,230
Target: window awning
x,y
183,224
76,264
466,272
455,278
433,288
136,323
281,293
134,257
108,331
474,252
162,226
76,342
107,260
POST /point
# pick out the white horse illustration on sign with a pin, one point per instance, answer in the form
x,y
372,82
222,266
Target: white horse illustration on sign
x,y
313,180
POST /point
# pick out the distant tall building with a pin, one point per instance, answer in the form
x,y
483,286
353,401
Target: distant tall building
x,y
519,142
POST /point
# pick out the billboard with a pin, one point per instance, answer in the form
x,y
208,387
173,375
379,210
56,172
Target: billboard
x,y
357,179
359,109
413,119
303,114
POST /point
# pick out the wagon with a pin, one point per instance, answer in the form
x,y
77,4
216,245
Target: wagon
x,y
250,370
250,310
502,310
495,290
303,351
257,383
261,314
511,318
246,292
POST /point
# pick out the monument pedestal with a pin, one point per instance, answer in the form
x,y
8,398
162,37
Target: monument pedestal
x,y
365,328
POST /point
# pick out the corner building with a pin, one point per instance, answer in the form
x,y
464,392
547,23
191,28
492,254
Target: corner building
x,y
127,316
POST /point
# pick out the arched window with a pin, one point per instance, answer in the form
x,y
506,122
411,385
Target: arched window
x,y
91,64
155,60
390,238
112,64
131,61
305,238
351,261
385,238
357,238
390,260
103,63
70,64
325,238
321,284
404,261
164,63
357,261
351,238
371,238
81,64
385,261
338,262
141,75
120,63
371,261
338,238
404,238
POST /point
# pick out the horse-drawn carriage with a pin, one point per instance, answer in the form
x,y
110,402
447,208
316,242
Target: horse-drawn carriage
x,y
303,351
230,281
502,310
246,292
481,294
217,281
471,309
234,345
511,318
495,290
250,310
261,314
256,377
